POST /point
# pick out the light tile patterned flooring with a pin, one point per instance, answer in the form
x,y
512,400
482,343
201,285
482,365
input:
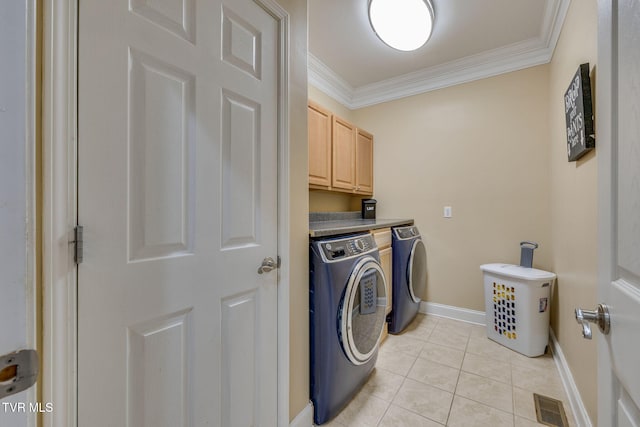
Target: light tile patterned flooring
x,y
445,372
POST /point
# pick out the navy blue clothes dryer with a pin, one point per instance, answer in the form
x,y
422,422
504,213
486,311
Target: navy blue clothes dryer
x,y
347,301
409,276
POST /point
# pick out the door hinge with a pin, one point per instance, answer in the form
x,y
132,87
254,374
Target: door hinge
x,y
78,241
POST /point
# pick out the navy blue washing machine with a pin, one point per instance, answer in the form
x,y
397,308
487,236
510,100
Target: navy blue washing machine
x,y
347,300
409,276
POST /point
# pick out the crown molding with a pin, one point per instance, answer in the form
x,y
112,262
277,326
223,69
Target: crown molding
x,y
555,13
329,82
528,53
487,64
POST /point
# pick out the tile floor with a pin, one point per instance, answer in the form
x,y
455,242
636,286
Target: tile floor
x,y
445,372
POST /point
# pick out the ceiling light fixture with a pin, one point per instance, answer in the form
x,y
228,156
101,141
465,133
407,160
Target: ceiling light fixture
x,y
402,24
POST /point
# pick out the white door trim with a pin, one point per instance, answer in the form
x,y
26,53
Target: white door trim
x,y
31,178
284,253
605,136
60,213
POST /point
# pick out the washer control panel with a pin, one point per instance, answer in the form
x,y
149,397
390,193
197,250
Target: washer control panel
x,y
347,247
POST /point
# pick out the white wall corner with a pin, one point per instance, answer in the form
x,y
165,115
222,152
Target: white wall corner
x,y
304,418
451,312
554,16
575,400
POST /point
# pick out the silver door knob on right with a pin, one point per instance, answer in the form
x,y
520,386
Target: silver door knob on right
x,y
600,317
268,264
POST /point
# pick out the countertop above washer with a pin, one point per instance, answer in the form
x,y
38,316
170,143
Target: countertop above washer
x,y
323,224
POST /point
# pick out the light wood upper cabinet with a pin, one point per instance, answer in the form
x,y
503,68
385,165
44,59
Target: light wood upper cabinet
x,y
340,155
319,146
364,162
344,155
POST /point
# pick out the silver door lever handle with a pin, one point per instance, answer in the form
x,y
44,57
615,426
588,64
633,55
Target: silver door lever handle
x,y
600,317
268,264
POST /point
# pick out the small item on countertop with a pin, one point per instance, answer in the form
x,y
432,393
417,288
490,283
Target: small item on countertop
x,y
369,208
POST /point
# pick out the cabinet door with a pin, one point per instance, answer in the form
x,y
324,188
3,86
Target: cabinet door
x,y
319,146
385,262
364,162
344,155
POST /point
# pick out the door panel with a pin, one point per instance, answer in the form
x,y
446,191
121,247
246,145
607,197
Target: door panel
x,y
240,177
364,162
619,172
161,153
239,360
344,152
159,354
319,145
178,116
17,177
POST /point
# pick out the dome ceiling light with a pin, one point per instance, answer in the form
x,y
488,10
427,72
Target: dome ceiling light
x,y
402,24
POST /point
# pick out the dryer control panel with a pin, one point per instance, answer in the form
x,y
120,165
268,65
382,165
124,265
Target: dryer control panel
x,y
406,232
347,247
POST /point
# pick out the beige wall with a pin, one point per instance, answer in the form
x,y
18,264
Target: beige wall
x,y
325,201
298,263
481,148
574,205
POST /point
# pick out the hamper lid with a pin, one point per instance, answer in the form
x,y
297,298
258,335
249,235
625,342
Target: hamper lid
x,y
518,272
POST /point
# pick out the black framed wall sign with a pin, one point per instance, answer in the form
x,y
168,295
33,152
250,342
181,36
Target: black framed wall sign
x,y
578,111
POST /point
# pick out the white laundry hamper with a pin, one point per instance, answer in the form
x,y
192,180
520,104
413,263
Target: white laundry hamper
x,y
517,306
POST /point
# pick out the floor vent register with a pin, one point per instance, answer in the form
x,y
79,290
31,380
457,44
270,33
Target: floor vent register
x,y
550,411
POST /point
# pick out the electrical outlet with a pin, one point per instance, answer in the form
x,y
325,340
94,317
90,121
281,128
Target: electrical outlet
x,y
447,212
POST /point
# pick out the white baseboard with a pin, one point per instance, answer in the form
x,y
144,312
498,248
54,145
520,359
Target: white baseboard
x,y
304,418
575,400
451,312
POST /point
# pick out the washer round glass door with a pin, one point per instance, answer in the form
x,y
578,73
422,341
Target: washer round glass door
x,y
363,311
417,270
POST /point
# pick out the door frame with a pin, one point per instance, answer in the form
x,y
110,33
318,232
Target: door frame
x,y
607,177
606,198
59,213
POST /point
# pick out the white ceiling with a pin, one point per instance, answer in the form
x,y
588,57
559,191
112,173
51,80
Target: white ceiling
x,y
472,39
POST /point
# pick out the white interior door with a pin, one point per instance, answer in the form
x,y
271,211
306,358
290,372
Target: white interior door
x,y
618,118
178,127
16,228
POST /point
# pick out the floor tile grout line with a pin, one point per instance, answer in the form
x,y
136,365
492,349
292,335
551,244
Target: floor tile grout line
x,y
513,394
483,404
418,414
406,377
486,404
510,383
457,382
384,414
452,399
